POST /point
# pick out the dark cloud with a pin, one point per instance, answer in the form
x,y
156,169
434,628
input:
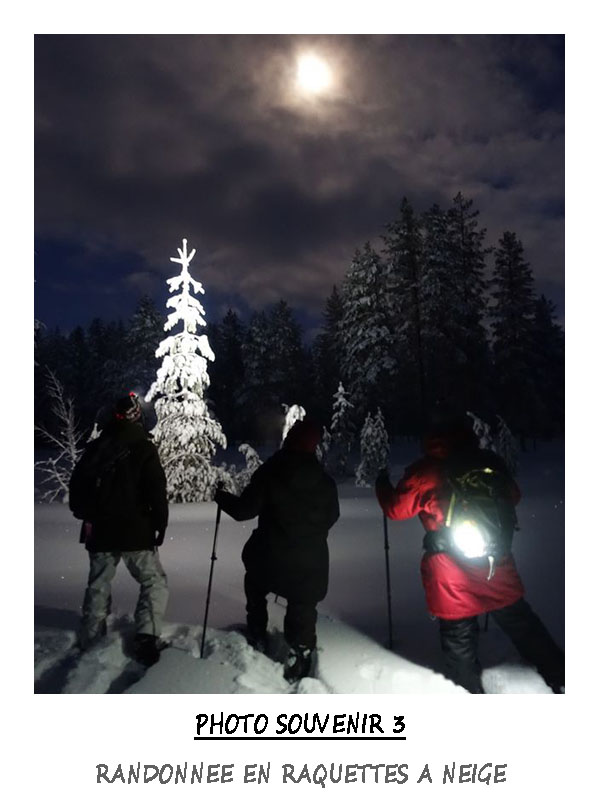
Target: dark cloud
x,y
142,140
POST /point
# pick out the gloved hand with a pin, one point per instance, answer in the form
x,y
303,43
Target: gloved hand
x,y
219,492
383,478
159,539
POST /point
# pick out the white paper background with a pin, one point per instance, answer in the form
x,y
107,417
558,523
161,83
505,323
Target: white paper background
x,y
52,743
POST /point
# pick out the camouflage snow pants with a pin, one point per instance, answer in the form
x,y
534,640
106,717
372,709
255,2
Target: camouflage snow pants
x,y
145,567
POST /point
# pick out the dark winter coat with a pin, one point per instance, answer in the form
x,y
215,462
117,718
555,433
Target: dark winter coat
x,y
136,508
297,503
453,589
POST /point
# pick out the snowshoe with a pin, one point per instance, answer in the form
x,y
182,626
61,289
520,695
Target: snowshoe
x,y
298,664
147,648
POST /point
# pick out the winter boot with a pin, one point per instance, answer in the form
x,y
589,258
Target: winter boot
x,y
298,664
146,649
259,643
87,638
257,639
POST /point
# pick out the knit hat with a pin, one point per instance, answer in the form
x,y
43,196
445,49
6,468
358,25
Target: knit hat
x,y
128,407
303,436
449,434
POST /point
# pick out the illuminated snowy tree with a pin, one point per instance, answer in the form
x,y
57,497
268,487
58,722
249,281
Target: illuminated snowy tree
x,y
374,449
293,414
186,435
342,431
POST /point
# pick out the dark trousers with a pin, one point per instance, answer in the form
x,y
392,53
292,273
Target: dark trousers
x,y
300,622
524,628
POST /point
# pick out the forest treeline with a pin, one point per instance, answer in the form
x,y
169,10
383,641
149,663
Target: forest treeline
x,y
430,314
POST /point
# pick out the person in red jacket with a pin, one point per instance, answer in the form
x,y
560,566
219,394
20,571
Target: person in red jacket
x,y
458,589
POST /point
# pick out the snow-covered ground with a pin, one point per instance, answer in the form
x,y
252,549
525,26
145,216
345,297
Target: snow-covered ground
x,y
352,628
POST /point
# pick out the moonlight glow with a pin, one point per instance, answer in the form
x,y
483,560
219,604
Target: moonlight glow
x,y
313,75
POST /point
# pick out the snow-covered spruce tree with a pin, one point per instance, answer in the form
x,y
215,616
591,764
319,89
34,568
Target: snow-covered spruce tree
x,y
366,346
500,440
292,415
324,447
482,431
236,479
403,245
342,431
186,435
506,445
374,449
66,441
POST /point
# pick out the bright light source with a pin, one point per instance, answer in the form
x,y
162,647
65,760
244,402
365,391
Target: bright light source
x,y
468,538
314,75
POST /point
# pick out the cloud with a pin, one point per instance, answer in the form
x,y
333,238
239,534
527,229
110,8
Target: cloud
x,y
141,140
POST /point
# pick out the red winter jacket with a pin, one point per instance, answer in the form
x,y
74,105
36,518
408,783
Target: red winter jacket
x,y
453,590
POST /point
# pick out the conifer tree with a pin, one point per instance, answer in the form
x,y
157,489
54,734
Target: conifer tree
x,y
293,414
440,309
342,431
76,374
186,435
512,316
374,449
287,357
142,340
258,397
483,431
326,350
467,255
549,366
235,479
228,375
367,363
506,445
324,447
403,245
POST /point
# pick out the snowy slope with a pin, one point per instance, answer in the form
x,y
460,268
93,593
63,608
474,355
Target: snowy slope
x,y
352,626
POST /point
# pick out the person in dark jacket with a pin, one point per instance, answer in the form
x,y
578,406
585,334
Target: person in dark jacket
x,y
458,589
118,489
297,503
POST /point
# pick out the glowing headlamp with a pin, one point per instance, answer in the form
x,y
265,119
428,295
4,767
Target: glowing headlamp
x,y
468,538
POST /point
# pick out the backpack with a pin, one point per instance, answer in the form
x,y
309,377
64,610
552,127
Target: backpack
x,y
481,517
98,482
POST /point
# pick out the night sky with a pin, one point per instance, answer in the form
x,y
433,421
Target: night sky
x,y
143,140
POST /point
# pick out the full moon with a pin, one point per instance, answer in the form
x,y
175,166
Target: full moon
x,y
313,74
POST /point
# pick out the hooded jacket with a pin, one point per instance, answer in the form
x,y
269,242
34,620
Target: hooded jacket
x,y
137,506
297,503
453,589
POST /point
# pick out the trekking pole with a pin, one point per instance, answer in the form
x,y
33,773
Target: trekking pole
x,y
213,558
387,575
